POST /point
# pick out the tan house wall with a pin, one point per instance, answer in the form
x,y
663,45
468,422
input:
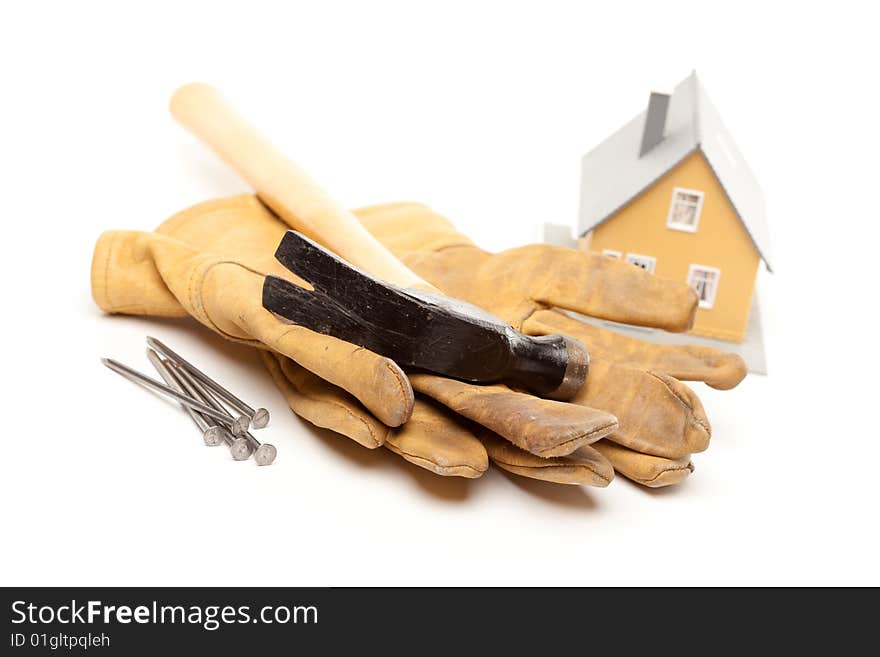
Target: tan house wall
x,y
720,241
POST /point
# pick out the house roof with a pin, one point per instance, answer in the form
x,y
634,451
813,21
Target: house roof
x,y
612,174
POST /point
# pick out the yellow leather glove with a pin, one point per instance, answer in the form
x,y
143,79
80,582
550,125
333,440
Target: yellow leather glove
x,y
661,420
168,273
210,261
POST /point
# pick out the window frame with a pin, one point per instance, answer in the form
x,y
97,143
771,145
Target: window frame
x,y
644,257
709,303
611,253
675,225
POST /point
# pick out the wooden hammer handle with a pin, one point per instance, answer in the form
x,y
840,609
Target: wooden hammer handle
x,y
284,186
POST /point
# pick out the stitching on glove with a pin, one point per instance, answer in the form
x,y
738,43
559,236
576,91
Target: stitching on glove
x,y
329,402
422,459
194,291
446,247
401,388
578,436
693,416
557,465
458,402
688,467
114,238
536,306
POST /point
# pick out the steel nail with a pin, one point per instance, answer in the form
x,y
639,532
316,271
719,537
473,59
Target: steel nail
x,y
145,381
264,453
239,447
258,417
211,433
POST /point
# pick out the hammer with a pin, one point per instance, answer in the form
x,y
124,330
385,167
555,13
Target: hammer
x,y
363,294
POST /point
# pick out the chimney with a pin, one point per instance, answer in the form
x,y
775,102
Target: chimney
x,y
655,121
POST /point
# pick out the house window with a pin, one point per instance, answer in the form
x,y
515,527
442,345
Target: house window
x,y
645,262
611,253
684,211
705,281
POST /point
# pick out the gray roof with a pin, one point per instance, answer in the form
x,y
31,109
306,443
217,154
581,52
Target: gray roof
x,y
612,174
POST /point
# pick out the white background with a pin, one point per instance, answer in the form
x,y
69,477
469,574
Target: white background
x,y
481,110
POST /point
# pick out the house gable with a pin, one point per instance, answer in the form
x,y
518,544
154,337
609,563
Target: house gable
x,y
720,242
616,171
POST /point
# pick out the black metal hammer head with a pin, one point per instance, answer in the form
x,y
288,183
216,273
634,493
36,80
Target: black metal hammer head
x,y
418,329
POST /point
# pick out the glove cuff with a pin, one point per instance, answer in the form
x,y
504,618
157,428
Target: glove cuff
x,y
124,281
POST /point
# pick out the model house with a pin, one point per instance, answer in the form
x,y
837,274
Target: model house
x,y
669,192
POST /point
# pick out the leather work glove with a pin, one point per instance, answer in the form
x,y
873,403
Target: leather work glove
x,y
661,420
209,261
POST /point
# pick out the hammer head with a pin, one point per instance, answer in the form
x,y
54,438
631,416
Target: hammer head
x,y
416,328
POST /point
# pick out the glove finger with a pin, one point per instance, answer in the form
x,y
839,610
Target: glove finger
x,y
437,441
145,273
231,296
714,367
603,287
540,426
323,404
657,414
566,278
585,466
651,471
125,279
432,438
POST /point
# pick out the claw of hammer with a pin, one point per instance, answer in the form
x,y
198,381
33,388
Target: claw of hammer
x,y
416,328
